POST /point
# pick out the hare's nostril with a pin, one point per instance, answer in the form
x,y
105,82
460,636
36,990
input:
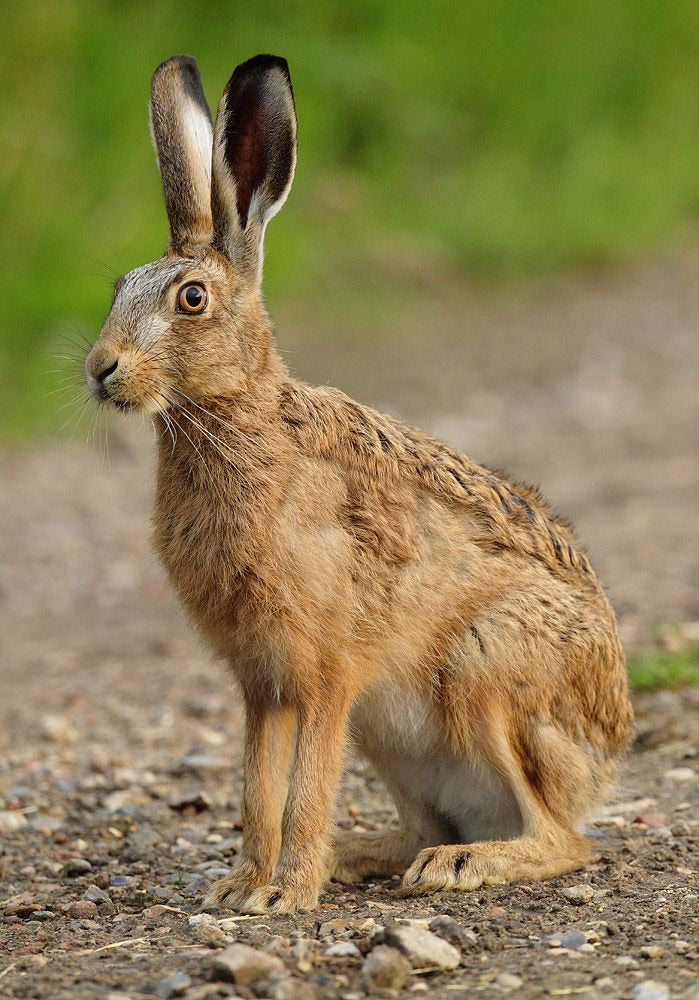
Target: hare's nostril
x,y
106,372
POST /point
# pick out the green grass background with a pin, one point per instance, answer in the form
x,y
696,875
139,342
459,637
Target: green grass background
x,y
489,139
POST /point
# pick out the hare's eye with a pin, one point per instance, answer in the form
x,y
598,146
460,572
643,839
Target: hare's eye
x,y
192,298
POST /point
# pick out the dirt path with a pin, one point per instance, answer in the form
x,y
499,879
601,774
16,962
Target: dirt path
x,y
120,740
120,772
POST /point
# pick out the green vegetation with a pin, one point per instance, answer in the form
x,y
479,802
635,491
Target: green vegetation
x,y
495,138
658,668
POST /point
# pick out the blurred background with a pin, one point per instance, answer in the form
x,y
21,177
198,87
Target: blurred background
x,y
493,232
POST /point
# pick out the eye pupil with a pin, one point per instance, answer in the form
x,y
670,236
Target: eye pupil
x,y
193,296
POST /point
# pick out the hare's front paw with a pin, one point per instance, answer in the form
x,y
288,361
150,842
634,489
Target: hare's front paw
x,y
278,899
231,890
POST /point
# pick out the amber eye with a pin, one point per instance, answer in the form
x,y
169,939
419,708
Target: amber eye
x,y
192,298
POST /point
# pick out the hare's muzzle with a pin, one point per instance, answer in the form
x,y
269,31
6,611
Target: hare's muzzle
x,y
99,369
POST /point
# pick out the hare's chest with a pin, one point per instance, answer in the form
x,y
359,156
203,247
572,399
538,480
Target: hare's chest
x,y
199,546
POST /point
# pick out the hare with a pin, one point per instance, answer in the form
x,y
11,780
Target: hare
x,y
366,583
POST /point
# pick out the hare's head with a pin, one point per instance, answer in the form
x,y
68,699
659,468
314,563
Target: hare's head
x,y
193,324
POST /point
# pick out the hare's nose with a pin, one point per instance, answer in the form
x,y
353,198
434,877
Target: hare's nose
x,y
106,372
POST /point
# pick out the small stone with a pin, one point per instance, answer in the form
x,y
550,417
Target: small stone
x,y
587,948
650,989
508,981
197,800
423,948
626,961
680,774
200,919
447,928
143,839
293,989
244,966
82,909
99,897
119,881
75,867
578,894
617,822
161,914
385,968
571,939
343,949
652,951
202,762
11,820
175,985
681,946
651,820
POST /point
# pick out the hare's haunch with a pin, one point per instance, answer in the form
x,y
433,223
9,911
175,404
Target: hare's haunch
x,y
366,583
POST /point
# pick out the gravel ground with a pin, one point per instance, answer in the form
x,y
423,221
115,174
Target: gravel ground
x,y
120,739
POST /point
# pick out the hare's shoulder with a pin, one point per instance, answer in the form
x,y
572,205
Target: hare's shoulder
x,y
513,516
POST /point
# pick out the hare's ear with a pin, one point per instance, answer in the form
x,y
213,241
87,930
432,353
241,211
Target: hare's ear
x,y
183,137
253,159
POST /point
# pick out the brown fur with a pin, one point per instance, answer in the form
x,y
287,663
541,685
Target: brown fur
x,y
365,583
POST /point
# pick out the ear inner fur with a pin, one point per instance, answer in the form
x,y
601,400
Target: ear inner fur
x,y
254,156
183,135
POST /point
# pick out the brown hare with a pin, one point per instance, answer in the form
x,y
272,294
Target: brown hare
x,y
367,584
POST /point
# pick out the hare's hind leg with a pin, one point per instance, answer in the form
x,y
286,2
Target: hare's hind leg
x,y
493,862
357,855
378,853
554,782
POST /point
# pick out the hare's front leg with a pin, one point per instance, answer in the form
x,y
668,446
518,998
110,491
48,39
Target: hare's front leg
x,y
268,738
306,824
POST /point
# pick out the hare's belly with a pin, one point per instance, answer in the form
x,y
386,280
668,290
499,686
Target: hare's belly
x,y
447,798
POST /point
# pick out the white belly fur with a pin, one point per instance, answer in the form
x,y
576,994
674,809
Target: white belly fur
x,y
446,798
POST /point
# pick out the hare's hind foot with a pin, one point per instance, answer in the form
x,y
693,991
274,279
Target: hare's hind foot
x,y
379,853
466,867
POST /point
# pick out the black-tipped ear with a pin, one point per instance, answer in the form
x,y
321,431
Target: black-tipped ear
x,y
254,157
183,137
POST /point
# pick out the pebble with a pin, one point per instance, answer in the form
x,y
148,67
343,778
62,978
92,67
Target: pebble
x,y
77,866
508,981
199,919
202,762
650,989
99,897
447,928
196,799
652,951
651,820
119,881
175,985
11,820
242,965
571,939
626,961
423,948
82,909
578,894
385,968
343,949
161,914
293,989
680,774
